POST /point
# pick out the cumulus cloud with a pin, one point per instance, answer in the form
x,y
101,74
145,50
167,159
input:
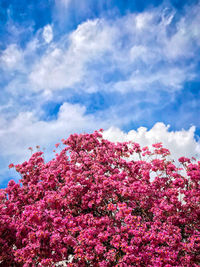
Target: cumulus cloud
x,y
28,130
180,143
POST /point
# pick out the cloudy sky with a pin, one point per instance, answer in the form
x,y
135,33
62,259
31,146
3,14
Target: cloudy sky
x,y
129,67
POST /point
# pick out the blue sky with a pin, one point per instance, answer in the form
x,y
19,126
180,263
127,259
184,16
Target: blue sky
x,y
77,66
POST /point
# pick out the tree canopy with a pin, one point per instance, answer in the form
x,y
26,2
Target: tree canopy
x,y
97,204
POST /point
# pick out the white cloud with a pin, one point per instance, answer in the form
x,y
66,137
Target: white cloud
x,y
47,33
170,79
148,60
11,58
92,37
58,69
139,46
143,20
180,143
185,41
27,130
64,67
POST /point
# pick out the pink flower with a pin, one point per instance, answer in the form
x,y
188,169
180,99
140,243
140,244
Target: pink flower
x,y
99,249
11,165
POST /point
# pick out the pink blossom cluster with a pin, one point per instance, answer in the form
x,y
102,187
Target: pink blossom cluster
x,y
94,204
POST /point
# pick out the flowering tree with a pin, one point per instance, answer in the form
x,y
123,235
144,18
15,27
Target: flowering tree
x,y
98,205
